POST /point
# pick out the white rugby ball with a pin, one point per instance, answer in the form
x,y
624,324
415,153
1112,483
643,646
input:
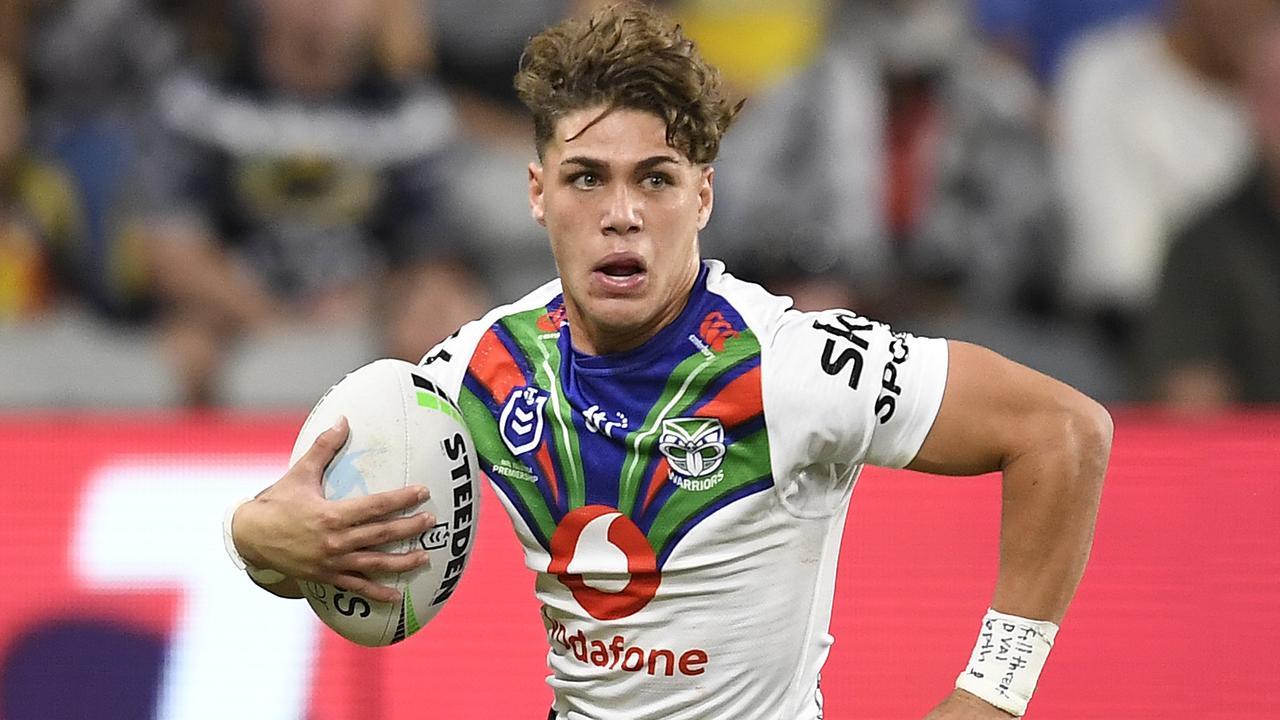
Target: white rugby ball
x,y
404,431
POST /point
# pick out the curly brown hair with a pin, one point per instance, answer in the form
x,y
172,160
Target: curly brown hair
x,y
625,56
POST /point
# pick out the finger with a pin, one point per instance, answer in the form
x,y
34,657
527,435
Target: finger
x,y
366,562
364,587
356,511
326,445
385,531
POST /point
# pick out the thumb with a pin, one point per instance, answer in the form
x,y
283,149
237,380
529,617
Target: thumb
x,y
325,447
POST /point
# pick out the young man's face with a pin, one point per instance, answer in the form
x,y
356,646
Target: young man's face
x,y
623,210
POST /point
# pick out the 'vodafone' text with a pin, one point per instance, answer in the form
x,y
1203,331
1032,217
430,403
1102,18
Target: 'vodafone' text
x,y
619,654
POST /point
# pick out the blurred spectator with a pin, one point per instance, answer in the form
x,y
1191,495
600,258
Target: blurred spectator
x,y
477,46
91,66
477,43
40,226
901,173
88,58
301,185
1152,131
1214,335
402,40
1041,31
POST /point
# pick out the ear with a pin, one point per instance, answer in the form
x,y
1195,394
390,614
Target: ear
x,y
537,200
706,195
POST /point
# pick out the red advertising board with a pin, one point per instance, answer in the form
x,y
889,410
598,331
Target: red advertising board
x,y
118,604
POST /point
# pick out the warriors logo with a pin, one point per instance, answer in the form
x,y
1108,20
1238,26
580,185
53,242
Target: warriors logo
x,y
694,448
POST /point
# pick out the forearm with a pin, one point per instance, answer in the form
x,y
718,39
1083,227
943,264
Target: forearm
x,y
1051,443
1050,497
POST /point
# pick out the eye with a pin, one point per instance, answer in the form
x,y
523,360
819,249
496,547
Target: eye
x,y
656,181
584,180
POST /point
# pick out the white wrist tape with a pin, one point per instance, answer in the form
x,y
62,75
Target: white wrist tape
x,y
1007,660
262,576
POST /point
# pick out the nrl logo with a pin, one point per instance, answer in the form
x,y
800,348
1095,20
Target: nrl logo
x,y
521,419
694,448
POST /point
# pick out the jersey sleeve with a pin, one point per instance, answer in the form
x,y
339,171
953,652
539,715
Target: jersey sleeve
x,y
841,391
447,362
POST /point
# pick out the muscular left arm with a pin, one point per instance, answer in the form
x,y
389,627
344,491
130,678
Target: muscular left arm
x,y
1051,444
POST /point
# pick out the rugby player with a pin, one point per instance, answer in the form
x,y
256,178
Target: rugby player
x,y
648,405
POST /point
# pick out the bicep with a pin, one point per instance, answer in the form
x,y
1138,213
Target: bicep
x,y
992,410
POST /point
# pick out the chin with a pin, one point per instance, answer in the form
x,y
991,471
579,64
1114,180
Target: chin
x,y
618,315
617,319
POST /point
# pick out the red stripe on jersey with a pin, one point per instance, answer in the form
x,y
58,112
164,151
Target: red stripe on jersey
x,y
737,402
660,473
548,470
494,367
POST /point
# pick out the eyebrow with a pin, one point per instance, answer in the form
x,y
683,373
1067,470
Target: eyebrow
x,y
594,164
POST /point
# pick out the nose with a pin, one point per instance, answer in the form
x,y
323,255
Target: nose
x,y
622,216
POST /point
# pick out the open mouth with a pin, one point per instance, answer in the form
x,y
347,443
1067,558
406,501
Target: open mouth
x,y
621,268
620,271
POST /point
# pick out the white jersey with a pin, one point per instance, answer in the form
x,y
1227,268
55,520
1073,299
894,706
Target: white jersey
x,y
682,503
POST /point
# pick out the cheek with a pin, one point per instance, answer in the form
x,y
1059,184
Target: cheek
x,y
567,213
568,242
691,216
568,250
676,212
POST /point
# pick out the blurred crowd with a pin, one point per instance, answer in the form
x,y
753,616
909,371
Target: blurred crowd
x,y
231,202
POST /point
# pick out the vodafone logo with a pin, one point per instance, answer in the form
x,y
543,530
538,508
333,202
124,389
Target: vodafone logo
x,y
601,543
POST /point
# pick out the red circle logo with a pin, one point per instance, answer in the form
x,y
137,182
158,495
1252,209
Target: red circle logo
x,y
601,523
